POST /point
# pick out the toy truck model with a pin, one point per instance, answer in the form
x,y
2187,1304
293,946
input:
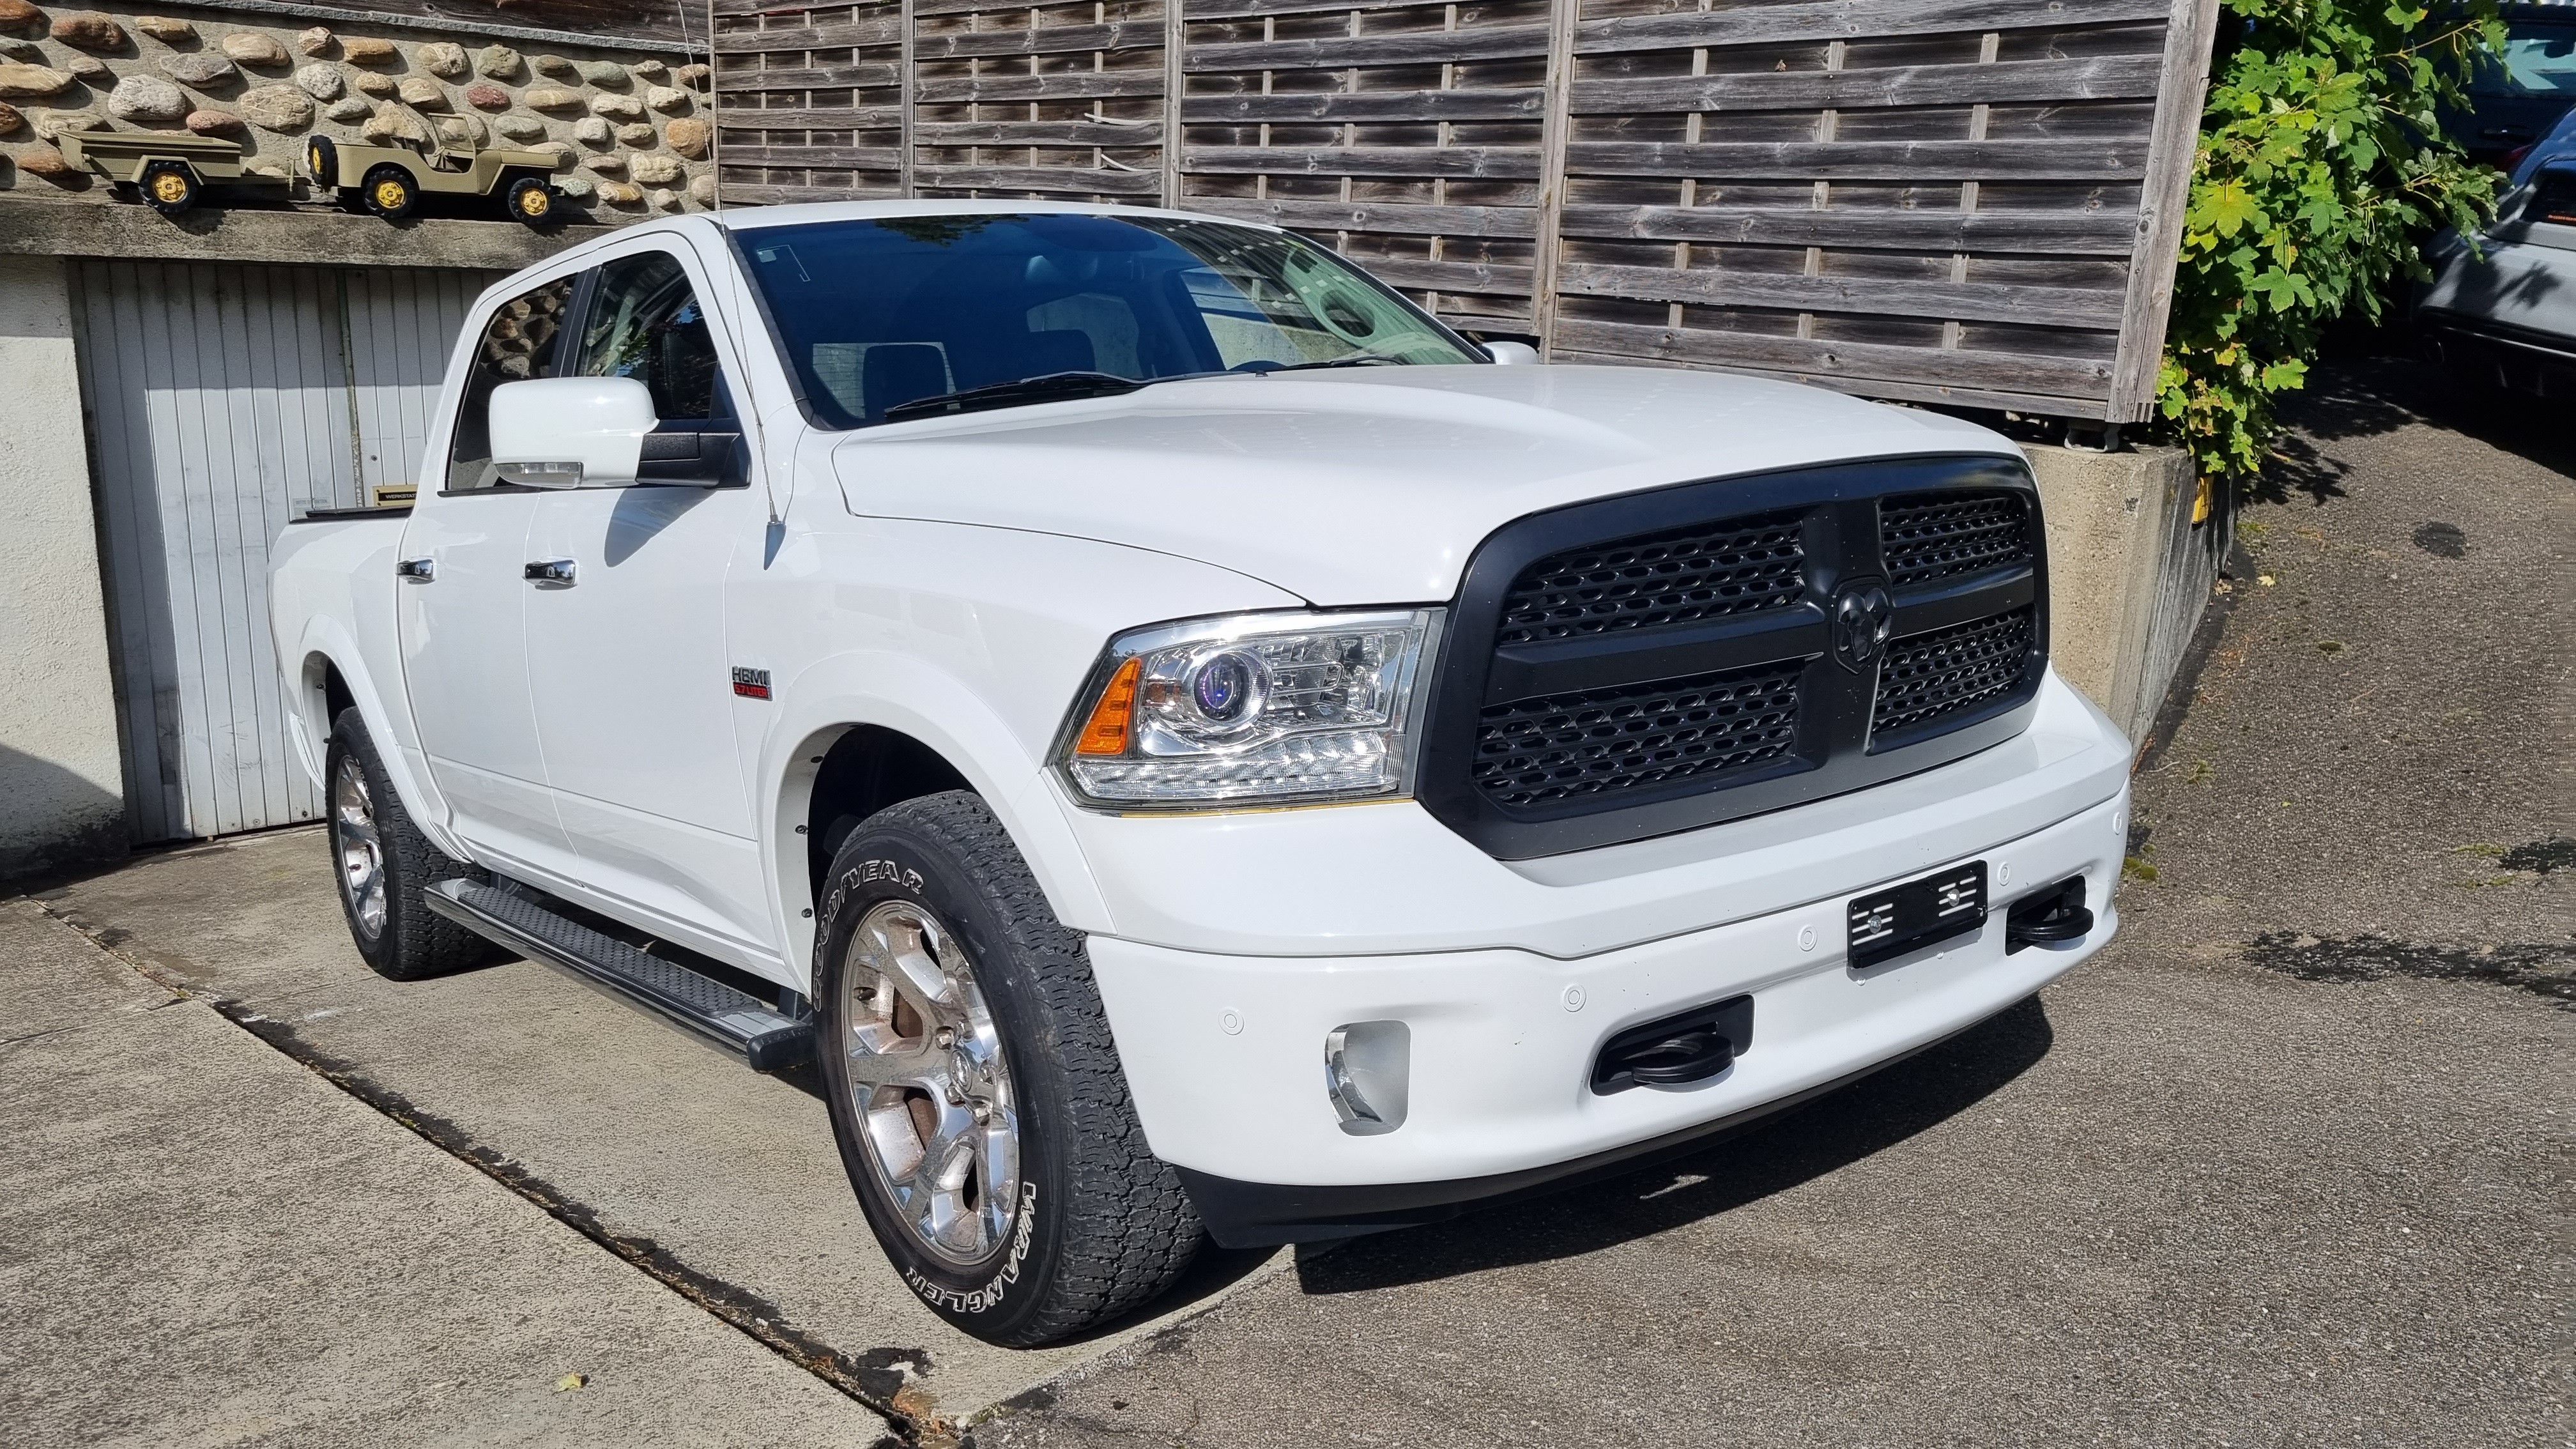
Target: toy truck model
x,y
1185,743
390,180
171,172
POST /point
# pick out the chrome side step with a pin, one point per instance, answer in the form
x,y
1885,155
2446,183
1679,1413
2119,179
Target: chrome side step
x,y
739,1023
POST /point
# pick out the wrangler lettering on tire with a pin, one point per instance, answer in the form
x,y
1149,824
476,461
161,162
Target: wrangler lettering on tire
x,y
975,1093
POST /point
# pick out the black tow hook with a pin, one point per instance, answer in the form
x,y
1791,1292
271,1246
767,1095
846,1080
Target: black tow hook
x,y
1685,1057
2048,917
1691,1046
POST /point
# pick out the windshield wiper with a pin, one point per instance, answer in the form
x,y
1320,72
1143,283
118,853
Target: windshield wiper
x,y
1049,387
1356,359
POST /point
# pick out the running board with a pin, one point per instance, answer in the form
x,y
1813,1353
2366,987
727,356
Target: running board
x,y
734,1020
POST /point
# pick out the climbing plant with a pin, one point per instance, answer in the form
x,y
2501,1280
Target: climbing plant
x,y
2321,171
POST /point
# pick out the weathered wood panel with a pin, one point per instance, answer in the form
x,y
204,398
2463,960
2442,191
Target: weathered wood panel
x,y
1406,135
1064,101
1929,199
1966,201
812,101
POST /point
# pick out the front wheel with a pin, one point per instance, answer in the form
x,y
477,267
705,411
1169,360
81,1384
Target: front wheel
x,y
974,1091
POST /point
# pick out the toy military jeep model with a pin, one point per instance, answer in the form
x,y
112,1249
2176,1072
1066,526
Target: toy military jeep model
x,y
171,172
389,180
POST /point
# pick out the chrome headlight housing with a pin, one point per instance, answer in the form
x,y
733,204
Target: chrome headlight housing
x,y
1252,709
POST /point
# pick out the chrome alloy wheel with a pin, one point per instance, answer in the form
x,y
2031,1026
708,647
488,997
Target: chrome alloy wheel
x,y
929,1084
360,845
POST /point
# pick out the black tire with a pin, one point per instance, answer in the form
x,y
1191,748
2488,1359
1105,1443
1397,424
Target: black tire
x,y
532,203
1099,1225
169,187
408,942
389,191
322,163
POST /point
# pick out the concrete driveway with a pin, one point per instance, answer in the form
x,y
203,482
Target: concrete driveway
x,y
2286,1165
710,1182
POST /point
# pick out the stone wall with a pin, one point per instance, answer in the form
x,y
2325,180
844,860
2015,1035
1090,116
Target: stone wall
x,y
628,130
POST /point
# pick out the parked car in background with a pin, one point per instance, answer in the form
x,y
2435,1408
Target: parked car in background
x,y
2516,97
2502,312
1184,741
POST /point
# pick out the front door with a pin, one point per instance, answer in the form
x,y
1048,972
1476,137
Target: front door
x,y
461,609
633,692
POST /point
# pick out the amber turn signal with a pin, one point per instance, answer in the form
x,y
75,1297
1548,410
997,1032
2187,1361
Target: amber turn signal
x,y
1105,733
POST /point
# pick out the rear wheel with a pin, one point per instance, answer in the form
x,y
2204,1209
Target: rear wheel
x,y
975,1093
531,201
389,192
322,162
384,863
169,187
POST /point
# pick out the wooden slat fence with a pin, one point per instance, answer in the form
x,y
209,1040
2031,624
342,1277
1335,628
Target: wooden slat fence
x,y
1965,201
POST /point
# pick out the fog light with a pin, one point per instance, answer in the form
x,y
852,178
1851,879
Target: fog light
x,y
1366,1066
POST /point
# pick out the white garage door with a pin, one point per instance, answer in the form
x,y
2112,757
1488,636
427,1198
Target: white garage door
x,y
224,400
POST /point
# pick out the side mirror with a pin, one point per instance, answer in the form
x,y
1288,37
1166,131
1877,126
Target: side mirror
x,y
1511,354
571,432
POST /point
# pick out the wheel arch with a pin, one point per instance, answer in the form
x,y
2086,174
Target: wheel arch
x,y
873,731
330,676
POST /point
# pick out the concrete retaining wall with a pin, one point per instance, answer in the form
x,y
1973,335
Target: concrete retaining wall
x,y
62,793
2129,572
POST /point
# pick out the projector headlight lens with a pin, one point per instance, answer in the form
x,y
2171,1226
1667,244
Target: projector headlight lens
x,y
1252,709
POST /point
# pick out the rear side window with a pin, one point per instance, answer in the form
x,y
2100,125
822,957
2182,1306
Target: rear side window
x,y
645,323
523,340
2553,197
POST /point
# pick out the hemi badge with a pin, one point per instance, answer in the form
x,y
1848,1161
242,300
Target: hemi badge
x,y
751,683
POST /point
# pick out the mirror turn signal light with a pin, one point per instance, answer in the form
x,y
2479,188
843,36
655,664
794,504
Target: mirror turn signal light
x,y
1105,733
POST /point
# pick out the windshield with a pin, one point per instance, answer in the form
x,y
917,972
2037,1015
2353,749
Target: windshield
x,y
876,314
2539,59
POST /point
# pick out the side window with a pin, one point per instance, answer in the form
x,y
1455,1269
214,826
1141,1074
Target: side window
x,y
518,343
645,323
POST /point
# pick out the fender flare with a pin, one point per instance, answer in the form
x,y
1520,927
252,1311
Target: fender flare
x,y
326,640
903,693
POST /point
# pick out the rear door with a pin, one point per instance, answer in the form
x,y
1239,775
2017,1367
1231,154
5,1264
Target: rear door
x,y
461,606
632,687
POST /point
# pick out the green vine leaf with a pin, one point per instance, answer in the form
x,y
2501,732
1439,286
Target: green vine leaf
x,y
2321,171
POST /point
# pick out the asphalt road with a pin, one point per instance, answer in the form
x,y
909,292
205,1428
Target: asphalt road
x,y
2287,1164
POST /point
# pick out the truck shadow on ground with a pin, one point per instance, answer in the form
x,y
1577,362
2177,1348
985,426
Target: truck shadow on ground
x,y
1836,1131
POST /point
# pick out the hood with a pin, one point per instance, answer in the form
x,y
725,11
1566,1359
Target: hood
x,y
1361,485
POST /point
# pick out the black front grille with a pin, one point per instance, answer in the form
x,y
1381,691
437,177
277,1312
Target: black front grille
x,y
1656,662
1677,576
1631,736
1950,671
1931,536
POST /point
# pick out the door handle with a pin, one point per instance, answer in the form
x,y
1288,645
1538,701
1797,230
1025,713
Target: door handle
x,y
549,573
418,570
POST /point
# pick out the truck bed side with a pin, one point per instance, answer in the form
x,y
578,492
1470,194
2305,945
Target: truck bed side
x,y
331,608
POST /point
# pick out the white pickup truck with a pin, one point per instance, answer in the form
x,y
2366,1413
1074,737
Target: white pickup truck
x,y
1183,743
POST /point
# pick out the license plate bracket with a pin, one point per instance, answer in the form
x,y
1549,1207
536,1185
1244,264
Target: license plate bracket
x,y
1906,918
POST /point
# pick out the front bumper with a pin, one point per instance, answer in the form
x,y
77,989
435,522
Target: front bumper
x,y
1224,1049
2511,358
